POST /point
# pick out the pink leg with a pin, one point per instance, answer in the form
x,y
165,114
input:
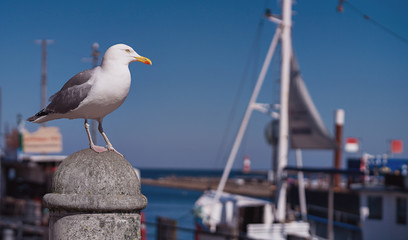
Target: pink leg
x,y
91,144
109,145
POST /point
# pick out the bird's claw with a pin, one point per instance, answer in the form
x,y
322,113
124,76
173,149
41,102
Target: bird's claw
x,y
98,149
110,148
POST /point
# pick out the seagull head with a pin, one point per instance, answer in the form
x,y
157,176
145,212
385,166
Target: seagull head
x,y
123,54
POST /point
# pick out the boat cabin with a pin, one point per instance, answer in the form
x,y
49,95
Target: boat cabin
x,y
383,208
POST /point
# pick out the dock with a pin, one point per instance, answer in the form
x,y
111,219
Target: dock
x,y
254,188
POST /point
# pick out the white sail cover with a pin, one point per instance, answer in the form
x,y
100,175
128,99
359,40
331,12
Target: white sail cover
x,y
306,128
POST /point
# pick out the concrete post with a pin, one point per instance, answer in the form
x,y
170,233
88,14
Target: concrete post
x,y
95,196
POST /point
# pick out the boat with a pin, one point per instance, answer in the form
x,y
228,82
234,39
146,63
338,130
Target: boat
x,y
383,193
298,120
223,215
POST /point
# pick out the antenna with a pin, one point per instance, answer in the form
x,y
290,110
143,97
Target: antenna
x,y
43,44
95,58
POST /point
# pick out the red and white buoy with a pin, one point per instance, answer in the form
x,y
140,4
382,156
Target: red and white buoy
x,y
247,164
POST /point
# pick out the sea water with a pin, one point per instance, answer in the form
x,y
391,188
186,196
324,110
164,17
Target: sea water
x,y
174,203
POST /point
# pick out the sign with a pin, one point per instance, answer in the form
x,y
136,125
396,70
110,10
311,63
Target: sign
x,y
396,146
351,145
44,140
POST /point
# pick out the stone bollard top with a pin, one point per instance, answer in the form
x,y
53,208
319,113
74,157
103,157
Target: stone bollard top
x,y
87,181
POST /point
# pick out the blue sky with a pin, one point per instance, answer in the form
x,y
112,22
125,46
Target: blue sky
x,y
178,108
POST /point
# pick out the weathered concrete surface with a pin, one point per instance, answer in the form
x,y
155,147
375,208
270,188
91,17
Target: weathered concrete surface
x,y
97,226
95,196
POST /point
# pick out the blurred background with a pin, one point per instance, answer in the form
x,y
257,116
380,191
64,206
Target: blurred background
x,y
183,112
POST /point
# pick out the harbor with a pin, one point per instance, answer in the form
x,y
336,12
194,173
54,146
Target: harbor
x,y
241,121
251,187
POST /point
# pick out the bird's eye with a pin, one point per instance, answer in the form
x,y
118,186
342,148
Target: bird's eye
x,y
127,50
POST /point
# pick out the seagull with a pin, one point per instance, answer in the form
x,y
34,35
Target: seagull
x,y
94,93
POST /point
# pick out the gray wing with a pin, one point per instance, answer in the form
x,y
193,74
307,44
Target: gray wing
x,y
72,93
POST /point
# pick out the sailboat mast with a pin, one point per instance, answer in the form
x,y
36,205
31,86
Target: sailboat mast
x,y
286,49
284,32
250,108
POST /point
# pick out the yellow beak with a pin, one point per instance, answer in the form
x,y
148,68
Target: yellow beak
x,y
143,60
